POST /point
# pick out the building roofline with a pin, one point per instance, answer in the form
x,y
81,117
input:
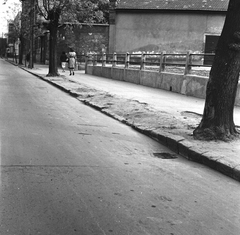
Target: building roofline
x,y
177,5
170,10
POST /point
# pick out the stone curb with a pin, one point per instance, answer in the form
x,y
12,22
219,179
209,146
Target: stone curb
x,y
183,147
175,143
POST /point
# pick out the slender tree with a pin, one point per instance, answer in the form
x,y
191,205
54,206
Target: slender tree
x,y
51,11
25,31
217,122
57,12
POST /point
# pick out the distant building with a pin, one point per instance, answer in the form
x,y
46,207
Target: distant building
x,y
166,25
13,35
10,39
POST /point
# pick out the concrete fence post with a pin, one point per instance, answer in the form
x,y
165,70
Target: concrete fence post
x,y
104,59
114,64
162,62
90,58
188,63
143,61
127,60
95,59
87,60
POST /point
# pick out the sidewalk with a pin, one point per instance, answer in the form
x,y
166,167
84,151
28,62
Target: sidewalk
x,y
168,117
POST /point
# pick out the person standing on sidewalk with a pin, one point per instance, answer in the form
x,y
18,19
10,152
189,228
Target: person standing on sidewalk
x,y
63,59
71,61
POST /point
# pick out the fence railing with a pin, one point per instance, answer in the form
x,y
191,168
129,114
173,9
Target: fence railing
x,y
158,62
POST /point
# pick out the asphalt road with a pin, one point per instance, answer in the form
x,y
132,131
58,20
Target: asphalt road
x,y
68,169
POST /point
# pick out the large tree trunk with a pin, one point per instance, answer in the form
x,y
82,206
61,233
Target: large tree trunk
x,y
217,122
53,28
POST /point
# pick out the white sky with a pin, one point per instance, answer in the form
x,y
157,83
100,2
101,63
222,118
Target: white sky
x,y
7,12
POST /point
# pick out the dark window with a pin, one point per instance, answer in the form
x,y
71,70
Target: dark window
x,y
210,46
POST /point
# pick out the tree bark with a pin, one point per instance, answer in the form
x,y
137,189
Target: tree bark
x,y
53,28
22,45
217,122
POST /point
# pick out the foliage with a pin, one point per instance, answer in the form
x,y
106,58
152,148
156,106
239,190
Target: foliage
x,y
75,11
12,17
70,12
93,11
12,10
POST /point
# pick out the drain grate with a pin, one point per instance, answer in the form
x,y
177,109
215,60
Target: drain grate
x,y
165,155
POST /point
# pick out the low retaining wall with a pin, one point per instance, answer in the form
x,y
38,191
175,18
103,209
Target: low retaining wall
x,y
189,85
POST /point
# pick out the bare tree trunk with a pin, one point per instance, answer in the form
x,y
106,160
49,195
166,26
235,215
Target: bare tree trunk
x,y
53,27
217,122
21,50
53,69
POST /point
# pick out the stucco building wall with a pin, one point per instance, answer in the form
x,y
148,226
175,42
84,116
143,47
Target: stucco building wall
x,y
165,31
